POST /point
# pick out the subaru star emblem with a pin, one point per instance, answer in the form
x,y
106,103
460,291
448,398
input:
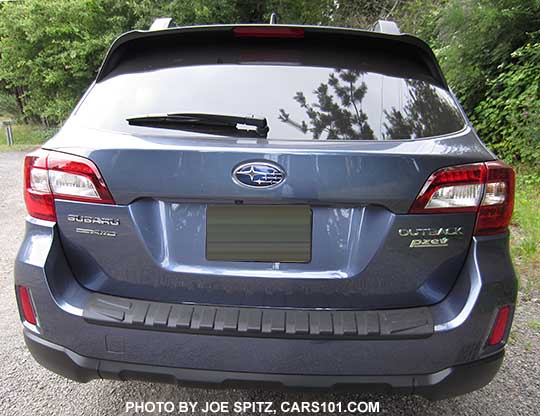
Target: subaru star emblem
x,y
258,174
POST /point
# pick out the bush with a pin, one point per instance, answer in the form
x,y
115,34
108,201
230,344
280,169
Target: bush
x,y
8,105
525,243
476,36
490,53
51,50
28,134
508,119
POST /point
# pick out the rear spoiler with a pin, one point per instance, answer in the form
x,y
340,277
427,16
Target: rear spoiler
x,y
385,37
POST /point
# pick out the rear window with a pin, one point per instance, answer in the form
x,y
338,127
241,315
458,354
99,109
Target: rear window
x,y
301,102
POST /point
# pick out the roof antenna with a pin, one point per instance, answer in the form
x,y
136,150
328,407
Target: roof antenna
x,y
273,19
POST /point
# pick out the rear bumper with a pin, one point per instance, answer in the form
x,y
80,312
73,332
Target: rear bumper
x,y
84,346
442,384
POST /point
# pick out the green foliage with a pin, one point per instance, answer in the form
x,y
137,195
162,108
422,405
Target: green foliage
x,y
534,325
362,13
8,105
489,51
51,49
26,136
191,12
525,244
509,117
475,37
421,18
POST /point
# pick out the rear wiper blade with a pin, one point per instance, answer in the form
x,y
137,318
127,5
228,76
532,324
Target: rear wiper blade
x,y
219,124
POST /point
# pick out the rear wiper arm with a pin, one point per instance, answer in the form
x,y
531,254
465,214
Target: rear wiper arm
x,y
219,124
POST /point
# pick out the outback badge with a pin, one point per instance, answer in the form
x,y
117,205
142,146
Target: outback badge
x,y
430,237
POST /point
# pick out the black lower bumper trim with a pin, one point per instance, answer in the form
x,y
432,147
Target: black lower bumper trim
x,y
446,383
259,322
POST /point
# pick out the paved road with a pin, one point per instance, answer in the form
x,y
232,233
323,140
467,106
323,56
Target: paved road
x,y
28,389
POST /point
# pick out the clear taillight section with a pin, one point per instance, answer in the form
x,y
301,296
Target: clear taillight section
x,y
452,189
76,178
483,188
456,196
54,175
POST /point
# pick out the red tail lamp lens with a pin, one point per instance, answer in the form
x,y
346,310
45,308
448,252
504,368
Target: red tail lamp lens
x,y
37,194
497,205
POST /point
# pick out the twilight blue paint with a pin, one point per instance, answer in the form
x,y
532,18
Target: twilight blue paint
x,y
359,192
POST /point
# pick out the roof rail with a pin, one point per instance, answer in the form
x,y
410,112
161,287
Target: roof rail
x,y
387,26
274,18
162,23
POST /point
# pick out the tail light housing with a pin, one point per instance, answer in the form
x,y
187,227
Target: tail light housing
x,y
52,175
486,189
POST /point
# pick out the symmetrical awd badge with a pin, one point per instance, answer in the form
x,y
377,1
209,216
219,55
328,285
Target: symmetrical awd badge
x,y
86,219
258,174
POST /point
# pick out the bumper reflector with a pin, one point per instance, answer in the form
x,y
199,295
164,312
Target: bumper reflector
x,y
26,305
500,325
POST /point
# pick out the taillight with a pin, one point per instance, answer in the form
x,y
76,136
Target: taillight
x,y
37,194
54,175
500,326
268,32
453,189
483,188
26,305
498,202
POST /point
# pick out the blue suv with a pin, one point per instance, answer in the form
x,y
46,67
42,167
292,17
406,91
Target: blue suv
x,y
293,206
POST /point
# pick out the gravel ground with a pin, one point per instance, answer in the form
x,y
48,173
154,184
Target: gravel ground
x,y
28,389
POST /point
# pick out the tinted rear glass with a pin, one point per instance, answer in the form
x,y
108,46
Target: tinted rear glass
x,y
357,100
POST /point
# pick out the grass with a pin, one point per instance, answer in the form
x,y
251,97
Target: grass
x,y
25,136
534,325
525,238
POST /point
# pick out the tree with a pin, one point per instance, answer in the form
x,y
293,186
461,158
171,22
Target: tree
x,y
425,114
338,112
509,117
363,13
191,12
488,50
479,37
51,49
